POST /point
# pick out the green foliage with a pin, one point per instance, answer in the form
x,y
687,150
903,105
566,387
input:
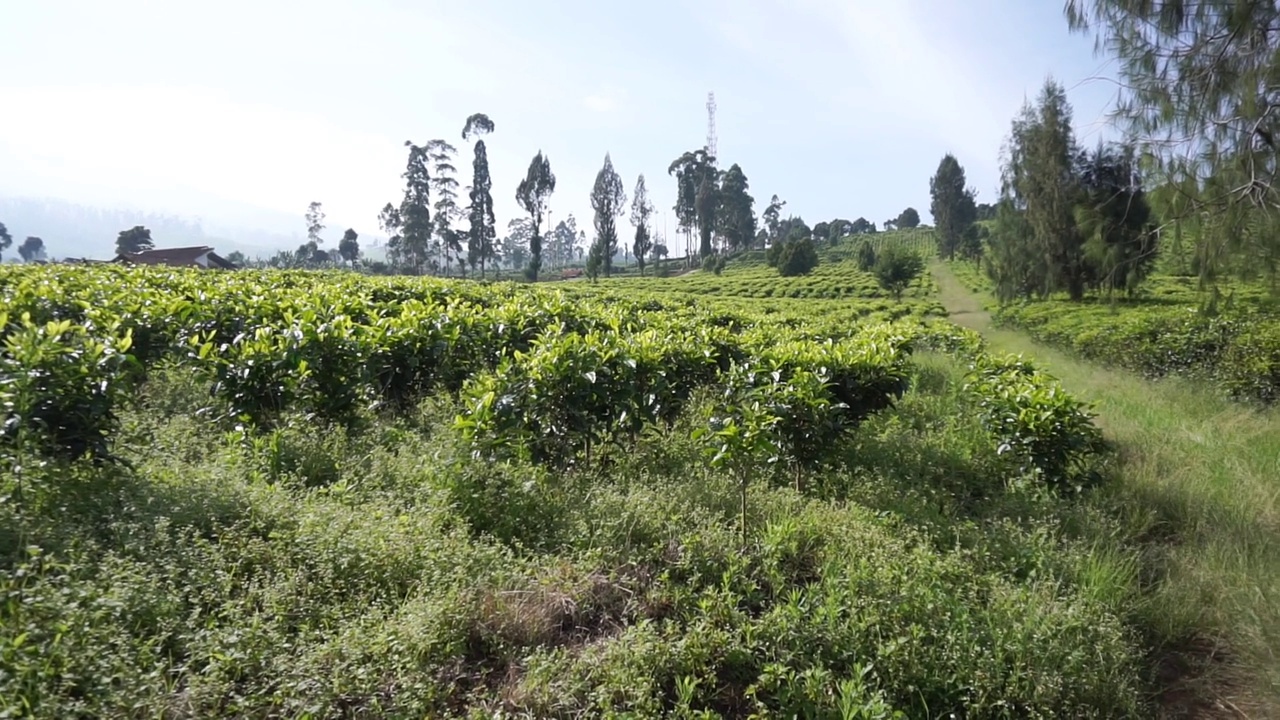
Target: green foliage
x,y
641,211
445,187
532,194
416,227
1115,220
1237,349
866,256
896,268
609,201
62,385
1047,432
1196,94
1040,180
31,249
797,257
349,246
952,206
698,199
480,239
1012,263
909,218
735,216
134,240
349,556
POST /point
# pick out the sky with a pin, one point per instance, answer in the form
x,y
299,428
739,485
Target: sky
x,y
247,110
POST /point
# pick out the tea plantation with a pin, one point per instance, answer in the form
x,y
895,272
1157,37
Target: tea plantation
x,y
318,494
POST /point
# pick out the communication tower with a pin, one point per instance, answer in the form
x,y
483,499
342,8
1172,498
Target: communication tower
x,y
711,124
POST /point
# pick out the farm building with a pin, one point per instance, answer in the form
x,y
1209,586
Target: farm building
x,y
199,256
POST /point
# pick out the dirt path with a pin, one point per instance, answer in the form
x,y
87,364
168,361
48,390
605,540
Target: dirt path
x,y
1201,477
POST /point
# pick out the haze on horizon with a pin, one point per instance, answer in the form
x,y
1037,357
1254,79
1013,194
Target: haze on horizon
x,y
244,112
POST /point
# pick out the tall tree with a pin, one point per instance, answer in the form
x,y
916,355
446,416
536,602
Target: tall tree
x,y
134,240
5,238
445,187
349,246
609,201
1114,218
641,211
736,214
532,194
686,199
563,241
1039,173
315,223
1200,94
389,221
480,241
908,219
517,243
415,208
772,217
31,249
952,207
699,185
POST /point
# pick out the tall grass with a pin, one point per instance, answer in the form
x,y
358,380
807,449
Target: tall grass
x,y
317,572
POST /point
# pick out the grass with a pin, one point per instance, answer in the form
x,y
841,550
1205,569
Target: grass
x,y
1199,479
316,573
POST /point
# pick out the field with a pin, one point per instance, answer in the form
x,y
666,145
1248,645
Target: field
x,y
1230,338
310,494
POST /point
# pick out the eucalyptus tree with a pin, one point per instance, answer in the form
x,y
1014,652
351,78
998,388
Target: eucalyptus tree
x,y
699,194
415,209
641,212
445,186
737,219
532,194
315,223
483,233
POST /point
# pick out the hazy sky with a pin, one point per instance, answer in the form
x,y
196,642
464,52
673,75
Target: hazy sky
x,y
841,107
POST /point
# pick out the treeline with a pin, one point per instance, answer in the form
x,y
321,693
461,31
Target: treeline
x,y
440,228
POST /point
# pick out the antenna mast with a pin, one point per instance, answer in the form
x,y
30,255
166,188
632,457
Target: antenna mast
x,y
711,124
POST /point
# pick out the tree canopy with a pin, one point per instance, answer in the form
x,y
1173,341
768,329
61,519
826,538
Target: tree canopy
x,y
134,240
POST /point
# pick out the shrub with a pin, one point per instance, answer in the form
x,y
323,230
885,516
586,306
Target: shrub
x,y
1048,432
896,268
61,387
798,257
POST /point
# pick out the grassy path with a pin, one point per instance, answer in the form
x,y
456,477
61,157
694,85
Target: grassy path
x,y
1198,482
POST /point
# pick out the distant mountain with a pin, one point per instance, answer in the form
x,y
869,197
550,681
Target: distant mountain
x,y
74,230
